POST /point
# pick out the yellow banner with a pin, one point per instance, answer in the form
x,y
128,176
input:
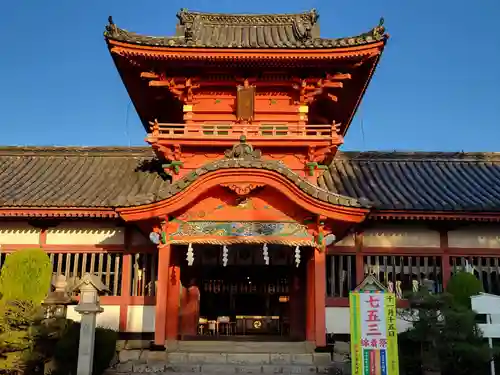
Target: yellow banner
x,y
392,334
374,345
356,352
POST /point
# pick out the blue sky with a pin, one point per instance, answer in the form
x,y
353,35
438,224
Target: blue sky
x,y
436,87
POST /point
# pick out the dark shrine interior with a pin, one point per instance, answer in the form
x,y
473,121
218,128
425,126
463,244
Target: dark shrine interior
x,y
255,298
237,290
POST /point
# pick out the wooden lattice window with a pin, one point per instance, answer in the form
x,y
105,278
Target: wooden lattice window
x,y
108,266
144,274
340,274
405,271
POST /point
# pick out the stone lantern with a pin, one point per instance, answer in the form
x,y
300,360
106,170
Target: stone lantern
x,y
90,286
57,301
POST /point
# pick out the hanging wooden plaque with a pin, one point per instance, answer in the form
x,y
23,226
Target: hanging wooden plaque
x,y
245,103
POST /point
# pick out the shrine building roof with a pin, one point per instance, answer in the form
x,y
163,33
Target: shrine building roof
x,y
217,30
69,177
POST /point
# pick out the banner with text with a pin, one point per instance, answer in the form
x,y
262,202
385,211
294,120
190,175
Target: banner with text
x,y
374,345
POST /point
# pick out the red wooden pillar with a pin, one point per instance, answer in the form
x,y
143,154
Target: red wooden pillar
x,y
319,258
126,283
162,295
360,268
445,258
310,299
174,288
360,262
125,291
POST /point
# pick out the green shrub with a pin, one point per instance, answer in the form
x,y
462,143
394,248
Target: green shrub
x,y
462,286
20,334
26,275
66,350
24,283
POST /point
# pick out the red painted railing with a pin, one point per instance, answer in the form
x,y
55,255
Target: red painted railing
x,y
235,131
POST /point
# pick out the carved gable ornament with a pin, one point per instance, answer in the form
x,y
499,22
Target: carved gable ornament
x,y
370,284
242,188
243,150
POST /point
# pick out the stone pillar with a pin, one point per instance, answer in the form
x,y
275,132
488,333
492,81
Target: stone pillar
x,y
89,306
162,295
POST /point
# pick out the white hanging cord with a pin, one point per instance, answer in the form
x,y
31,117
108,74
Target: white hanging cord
x,y
297,256
265,254
225,252
190,255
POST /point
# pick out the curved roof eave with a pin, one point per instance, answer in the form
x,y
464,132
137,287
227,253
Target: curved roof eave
x,y
261,37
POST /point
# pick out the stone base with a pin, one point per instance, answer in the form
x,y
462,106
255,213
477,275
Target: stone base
x,y
225,358
141,368
138,361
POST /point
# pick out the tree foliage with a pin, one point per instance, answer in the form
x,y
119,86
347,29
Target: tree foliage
x,y
22,333
462,286
26,276
24,282
443,338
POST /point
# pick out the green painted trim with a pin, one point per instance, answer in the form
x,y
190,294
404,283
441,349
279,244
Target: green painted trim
x,y
311,167
174,165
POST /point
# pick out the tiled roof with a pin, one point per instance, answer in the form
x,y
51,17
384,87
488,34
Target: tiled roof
x,y
114,177
418,181
168,191
215,30
111,177
73,176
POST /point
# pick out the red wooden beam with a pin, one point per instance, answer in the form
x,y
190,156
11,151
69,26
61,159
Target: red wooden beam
x,y
98,248
120,300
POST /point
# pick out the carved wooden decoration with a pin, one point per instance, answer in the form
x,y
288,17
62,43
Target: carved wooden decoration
x,y
245,102
242,188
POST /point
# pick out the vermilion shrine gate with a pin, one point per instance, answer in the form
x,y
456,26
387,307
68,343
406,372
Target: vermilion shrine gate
x,y
244,112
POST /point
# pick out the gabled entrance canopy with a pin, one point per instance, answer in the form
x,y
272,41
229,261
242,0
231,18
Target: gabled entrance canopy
x,y
244,187
244,198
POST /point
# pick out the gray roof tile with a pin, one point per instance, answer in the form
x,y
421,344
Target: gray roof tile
x,y
121,176
216,30
418,181
73,176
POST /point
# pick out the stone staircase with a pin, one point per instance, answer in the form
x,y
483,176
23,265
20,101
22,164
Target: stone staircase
x,y
226,357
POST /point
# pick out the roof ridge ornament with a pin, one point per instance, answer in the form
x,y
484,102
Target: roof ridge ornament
x,y
378,32
255,19
243,150
111,29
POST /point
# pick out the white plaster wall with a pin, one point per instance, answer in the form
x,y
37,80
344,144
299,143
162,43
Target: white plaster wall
x,y
141,319
337,321
86,233
13,233
400,236
346,241
475,236
109,318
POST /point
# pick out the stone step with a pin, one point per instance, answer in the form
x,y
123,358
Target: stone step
x,y
217,358
223,346
241,347
163,368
